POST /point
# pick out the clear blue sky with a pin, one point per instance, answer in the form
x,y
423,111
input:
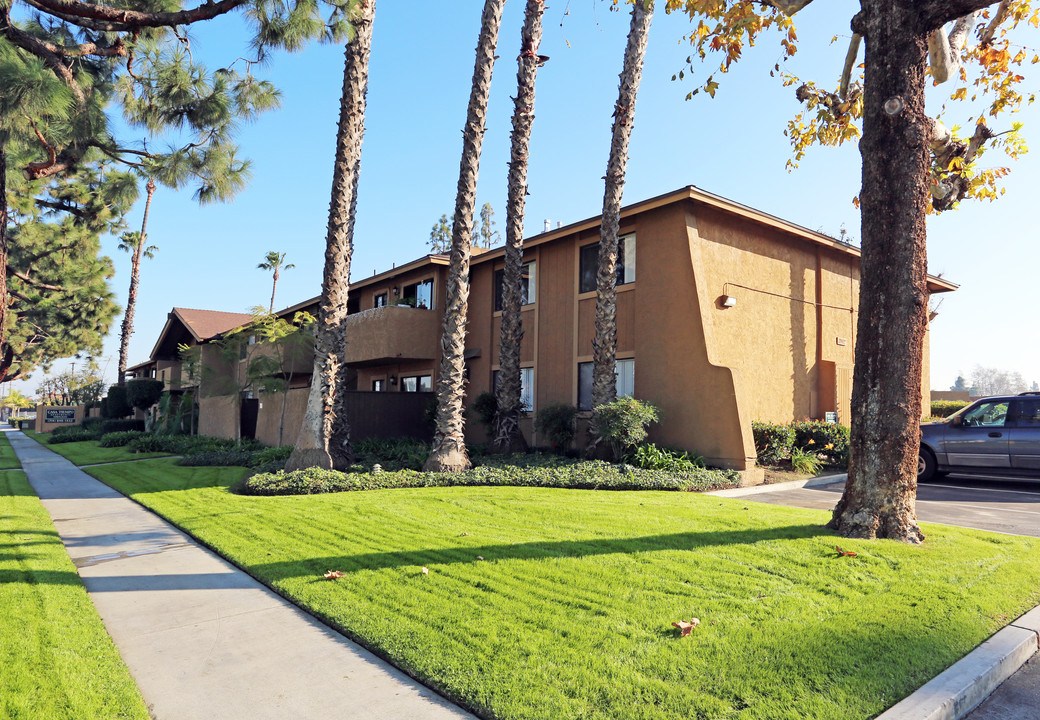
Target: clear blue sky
x,y
422,64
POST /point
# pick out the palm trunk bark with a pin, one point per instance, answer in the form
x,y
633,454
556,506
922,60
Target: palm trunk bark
x,y
508,437
879,497
127,328
448,453
324,418
274,288
604,344
8,352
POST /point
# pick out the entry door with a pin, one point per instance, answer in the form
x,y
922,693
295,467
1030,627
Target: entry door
x,y
250,412
1025,435
981,440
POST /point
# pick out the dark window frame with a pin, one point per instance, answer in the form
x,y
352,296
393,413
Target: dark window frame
x,y
380,296
588,264
526,298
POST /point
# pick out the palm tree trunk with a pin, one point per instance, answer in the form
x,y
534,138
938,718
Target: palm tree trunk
x,y
324,418
127,328
8,351
604,344
448,453
508,437
274,287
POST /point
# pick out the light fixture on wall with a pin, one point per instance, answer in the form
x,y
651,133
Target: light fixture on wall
x,y
393,378
728,301
395,291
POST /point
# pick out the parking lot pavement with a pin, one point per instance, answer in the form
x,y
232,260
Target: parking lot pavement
x,y
1006,506
1017,699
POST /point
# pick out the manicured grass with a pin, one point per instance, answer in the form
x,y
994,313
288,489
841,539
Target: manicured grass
x,y
8,459
88,452
568,614
56,660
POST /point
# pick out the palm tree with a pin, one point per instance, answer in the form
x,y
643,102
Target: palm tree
x,y
324,439
274,261
604,344
448,453
134,243
507,435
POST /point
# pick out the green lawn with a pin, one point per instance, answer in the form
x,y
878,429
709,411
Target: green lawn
x,y
8,460
56,660
88,452
568,614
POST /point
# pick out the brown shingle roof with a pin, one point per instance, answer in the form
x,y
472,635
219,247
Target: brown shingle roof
x,y
207,324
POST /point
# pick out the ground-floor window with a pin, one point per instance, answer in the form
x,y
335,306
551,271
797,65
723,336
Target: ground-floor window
x,y
626,381
526,387
378,385
417,383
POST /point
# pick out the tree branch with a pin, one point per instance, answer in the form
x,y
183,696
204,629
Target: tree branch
x,y
850,62
75,10
933,14
788,7
65,207
29,281
944,51
998,17
29,43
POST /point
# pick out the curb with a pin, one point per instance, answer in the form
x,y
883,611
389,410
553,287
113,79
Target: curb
x,y
964,685
777,487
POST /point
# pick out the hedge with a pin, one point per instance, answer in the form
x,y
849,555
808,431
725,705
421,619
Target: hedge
x,y
945,408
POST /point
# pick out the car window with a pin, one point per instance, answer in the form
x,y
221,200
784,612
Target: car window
x,y
1028,413
987,414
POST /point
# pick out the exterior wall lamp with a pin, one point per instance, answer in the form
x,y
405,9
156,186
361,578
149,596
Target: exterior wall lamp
x,y
393,378
728,301
395,291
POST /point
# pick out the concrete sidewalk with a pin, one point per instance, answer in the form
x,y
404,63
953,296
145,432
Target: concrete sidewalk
x,y
203,639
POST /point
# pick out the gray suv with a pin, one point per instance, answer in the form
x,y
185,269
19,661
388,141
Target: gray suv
x,y
993,436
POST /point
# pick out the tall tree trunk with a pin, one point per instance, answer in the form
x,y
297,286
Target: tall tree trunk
x,y
274,287
127,328
879,497
324,417
8,351
604,344
449,444
508,437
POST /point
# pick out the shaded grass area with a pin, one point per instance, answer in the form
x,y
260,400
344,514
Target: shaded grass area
x,y
56,660
88,452
551,603
8,460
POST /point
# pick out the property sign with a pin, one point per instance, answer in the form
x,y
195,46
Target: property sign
x,y
832,418
60,416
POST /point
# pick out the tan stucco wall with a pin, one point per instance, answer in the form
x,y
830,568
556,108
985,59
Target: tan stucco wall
x,y
218,416
269,416
391,332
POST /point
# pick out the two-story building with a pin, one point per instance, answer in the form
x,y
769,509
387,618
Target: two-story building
x,y
725,315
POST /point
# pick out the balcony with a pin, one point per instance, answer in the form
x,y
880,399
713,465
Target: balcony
x,y
393,333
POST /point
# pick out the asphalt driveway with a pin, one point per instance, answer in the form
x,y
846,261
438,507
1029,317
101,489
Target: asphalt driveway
x,y
1006,506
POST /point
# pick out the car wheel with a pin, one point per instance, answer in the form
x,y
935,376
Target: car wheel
x,y
925,465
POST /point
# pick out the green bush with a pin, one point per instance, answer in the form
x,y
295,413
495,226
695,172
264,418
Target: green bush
x,y
945,408
804,461
126,425
186,444
116,405
773,442
391,453
143,392
486,407
556,423
518,471
92,423
827,439
243,458
269,455
74,433
623,423
119,439
651,457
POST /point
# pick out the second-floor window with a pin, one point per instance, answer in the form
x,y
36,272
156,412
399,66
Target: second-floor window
x,y
588,263
419,294
419,383
528,287
380,300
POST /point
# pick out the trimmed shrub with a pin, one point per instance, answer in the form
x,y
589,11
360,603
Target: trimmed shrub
x,y
143,392
92,423
945,408
75,433
117,406
243,458
270,455
623,423
556,423
530,471
391,453
486,407
126,425
819,437
119,439
773,442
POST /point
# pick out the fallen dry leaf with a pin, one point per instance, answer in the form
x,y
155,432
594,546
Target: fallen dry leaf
x,y
333,575
463,534
844,553
480,557
426,571
685,628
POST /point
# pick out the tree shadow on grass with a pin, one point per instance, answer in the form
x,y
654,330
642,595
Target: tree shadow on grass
x,y
38,577
538,550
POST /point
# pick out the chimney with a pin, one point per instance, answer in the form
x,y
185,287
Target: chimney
x,y
548,225
559,224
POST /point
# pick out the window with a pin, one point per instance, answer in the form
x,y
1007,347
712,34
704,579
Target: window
x,y
380,300
988,414
588,262
417,383
528,289
526,387
378,385
419,294
625,385
1028,413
